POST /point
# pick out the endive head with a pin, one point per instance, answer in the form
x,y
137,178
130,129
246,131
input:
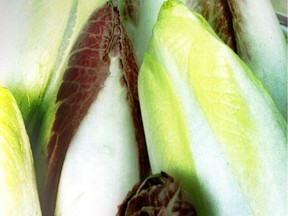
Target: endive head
x,y
208,120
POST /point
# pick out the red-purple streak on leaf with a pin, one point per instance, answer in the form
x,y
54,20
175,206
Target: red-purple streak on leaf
x,y
130,70
87,70
218,15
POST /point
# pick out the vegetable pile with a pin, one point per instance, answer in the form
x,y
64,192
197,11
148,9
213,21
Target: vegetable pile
x,y
96,97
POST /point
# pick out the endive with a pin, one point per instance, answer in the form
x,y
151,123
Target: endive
x,y
208,120
17,178
95,116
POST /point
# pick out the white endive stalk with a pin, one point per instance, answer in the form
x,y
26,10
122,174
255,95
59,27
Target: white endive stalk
x,y
208,120
262,46
17,178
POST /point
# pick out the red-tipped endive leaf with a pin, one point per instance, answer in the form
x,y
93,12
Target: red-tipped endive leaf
x,y
87,70
97,112
218,15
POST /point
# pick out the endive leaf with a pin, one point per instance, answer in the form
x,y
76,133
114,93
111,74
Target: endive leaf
x,y
209,121
17,178
262,46
36,48
96,111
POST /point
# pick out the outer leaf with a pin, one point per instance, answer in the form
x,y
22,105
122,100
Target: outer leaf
x,y
35,49
17,178
262,46
208,120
